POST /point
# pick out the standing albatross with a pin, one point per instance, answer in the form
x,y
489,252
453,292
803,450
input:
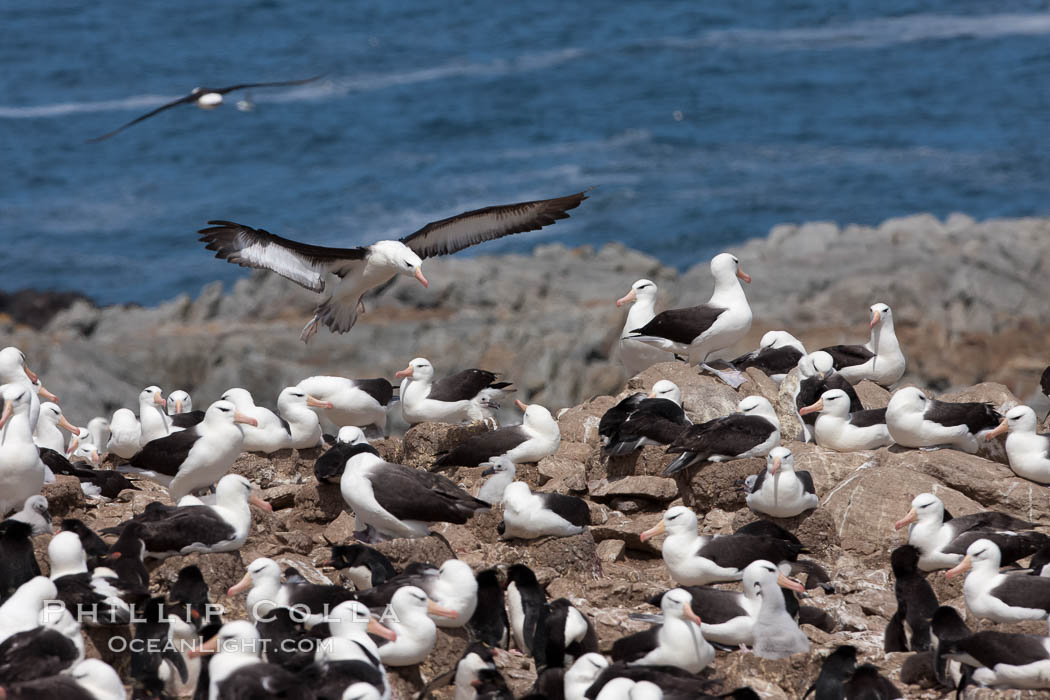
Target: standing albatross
x,y
366,267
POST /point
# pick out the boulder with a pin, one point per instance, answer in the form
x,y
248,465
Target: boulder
x,y
872,395
653,488
65,499
580,423
403,551
318,503
717,484
425,441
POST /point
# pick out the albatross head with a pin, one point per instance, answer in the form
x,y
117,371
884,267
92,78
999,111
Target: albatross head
x,y
398,258
818,364
666,389
924,508
419,369
1019,419
642,290
834,402
677,602
13,366
179,402
226,412
539,419
758,406
152,396
908,400
262,569
678,520
762,575
881,315
98,678
15,400
980,555
726,266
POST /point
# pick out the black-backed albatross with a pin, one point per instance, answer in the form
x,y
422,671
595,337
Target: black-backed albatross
x,y
366,267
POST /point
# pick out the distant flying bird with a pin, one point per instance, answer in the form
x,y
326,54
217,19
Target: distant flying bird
x,y
205,98
364,268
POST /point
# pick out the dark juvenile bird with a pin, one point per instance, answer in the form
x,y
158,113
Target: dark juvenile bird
x,y
909,628
16,553
841,679
366,567
489,624
655,420
205,98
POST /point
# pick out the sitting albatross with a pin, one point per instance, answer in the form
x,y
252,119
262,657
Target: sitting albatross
x,y
366,267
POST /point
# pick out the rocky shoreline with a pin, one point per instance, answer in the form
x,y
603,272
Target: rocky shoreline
x,y
968,299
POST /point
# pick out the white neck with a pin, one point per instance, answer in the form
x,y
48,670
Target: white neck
x,y
728,293
641,312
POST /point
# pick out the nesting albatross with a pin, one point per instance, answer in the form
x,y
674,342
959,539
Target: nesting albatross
x,y
363,268
392,500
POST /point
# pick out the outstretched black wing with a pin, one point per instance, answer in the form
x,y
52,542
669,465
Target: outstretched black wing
x,y
302,263
470,228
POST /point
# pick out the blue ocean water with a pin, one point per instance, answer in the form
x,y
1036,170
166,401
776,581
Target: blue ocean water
x,y
699,124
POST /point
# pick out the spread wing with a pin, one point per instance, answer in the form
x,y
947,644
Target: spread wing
x,y
302,263
182,100
282,83
470,228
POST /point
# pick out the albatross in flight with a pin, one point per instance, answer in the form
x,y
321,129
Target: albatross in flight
x,y
366,267
205,98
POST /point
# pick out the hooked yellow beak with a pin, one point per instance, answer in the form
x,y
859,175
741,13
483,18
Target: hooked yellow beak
x,y
63,423
380,631
258,501
960,568
239,417
419,276
999,430
656,530
627,298
688,614
317,403
812,408
242,585
435,609
790,583
911,517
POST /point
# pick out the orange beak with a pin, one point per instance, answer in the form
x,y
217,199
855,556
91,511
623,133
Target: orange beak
x,y
33,376
419,276
960,568
9,408
656,530
317,403
521,406
911,517
380,631
627,298
687,613
209,647
406,372
259,502
743,275
239,417
158,399
242,585
875,318
999,430
95,457
47,395
435,609
812,408
790,584
776,465
178,405
63,423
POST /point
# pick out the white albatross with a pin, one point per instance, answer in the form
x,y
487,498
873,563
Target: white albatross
x,y
880,360
1028,451
635,355
21,471
363,268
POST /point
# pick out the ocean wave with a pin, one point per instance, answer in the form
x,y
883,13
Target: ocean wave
x,y
875,33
